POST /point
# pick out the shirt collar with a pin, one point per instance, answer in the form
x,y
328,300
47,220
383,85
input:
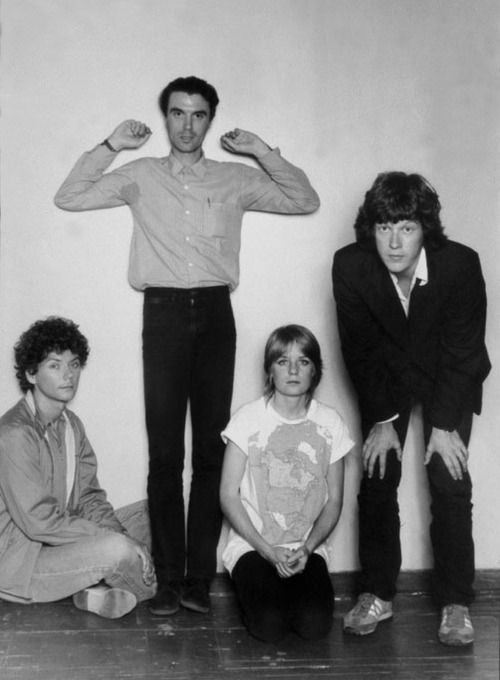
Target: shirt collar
x,y
421,270
28,397
311,410
176,168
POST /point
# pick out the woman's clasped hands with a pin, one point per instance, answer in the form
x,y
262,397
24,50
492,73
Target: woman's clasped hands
x,y
290,561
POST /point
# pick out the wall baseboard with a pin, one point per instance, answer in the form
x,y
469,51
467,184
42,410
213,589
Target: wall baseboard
x,y
416,582
419,581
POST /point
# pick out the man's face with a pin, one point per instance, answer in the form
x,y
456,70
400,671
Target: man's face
x,y
56,379
399,245
187,122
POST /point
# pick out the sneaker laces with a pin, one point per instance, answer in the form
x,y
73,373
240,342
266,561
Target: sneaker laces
x,y
368,604
456,616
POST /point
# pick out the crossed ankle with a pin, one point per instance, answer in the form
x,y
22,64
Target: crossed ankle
x,y
105,601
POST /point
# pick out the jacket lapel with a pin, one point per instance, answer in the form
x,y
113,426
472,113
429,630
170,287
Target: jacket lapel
x,y
425,301
384,302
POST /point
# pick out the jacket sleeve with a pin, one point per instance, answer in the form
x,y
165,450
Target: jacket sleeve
x,y
279,187
362,346
37,514
463,361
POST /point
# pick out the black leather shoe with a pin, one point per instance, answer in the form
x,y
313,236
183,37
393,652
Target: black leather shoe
x,y
195,595
166,601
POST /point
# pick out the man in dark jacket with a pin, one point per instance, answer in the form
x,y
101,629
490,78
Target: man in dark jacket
x,y
411,309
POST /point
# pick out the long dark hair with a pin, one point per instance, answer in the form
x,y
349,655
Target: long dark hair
x,y
396,196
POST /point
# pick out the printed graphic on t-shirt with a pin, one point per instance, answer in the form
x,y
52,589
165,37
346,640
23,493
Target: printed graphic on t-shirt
x,y
289,468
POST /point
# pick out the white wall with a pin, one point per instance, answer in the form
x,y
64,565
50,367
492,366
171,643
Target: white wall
x,y
346,88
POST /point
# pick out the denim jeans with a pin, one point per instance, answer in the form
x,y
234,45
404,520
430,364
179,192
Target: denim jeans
x,y
63,570
189,343
273,606
450,530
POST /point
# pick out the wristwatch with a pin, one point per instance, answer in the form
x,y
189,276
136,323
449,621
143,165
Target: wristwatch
x,y
106,143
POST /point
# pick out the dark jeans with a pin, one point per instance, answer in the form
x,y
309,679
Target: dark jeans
x,y
273,606
450,531
189,344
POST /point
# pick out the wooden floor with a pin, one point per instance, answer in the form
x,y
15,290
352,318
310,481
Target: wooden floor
x,y
58,642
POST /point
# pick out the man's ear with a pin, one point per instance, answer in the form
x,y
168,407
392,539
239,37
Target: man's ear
x,y
31,376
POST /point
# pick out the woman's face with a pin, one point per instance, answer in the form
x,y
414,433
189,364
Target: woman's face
x,y
292,373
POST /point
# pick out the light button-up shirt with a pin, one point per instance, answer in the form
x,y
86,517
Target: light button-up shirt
x,y
187,220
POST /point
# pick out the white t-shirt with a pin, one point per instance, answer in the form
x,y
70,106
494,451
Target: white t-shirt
x,y
284,486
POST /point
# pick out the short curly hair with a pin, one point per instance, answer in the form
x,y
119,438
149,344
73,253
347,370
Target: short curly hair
x,y
54,334
396,196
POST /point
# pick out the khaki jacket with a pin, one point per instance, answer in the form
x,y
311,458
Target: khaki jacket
x,y
33,507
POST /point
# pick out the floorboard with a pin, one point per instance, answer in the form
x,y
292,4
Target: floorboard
x,y
58,642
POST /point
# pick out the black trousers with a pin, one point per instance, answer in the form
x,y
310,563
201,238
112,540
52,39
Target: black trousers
x,y
273,606
450,530
189,344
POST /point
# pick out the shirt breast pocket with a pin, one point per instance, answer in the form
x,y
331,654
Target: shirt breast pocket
x,y
221,219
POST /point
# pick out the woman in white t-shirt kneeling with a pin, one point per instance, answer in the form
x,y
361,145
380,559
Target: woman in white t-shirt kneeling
x,y
282,490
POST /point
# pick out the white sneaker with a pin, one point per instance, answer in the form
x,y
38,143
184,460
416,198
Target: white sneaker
x,y
110,603
456,627
367,614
